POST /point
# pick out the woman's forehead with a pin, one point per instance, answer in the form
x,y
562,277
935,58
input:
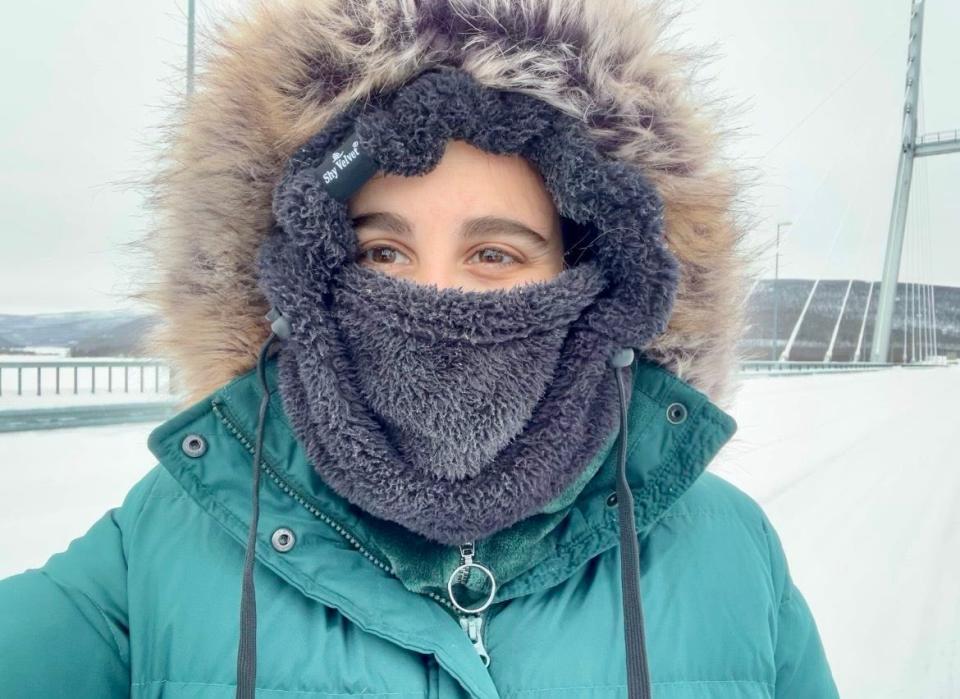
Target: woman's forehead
x,y
466,182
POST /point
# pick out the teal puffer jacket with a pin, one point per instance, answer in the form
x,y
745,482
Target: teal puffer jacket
x,y
146,603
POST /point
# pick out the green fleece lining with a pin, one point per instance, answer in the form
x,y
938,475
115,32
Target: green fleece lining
x,y
424,566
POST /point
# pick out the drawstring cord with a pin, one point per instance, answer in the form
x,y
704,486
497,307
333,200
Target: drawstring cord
x,y
638,677
638,674
247,648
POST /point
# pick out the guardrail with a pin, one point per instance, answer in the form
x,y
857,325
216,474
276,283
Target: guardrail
x,y
71,380
768,367
939,137
49,375
153,376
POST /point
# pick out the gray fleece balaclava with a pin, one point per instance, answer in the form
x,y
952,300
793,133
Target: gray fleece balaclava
x,y
457,413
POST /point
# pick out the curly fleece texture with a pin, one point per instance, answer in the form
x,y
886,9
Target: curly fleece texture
x,y
374,363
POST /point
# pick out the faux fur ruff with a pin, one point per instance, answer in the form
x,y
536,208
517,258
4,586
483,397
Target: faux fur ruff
x,y
453,413
274,74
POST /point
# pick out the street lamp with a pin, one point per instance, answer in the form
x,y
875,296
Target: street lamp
x,y
191,20
776,295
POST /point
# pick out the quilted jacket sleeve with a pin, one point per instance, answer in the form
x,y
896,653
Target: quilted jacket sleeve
x,y
64,625
803,671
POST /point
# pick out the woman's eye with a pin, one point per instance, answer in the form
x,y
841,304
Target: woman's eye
x,y
494,256
381,255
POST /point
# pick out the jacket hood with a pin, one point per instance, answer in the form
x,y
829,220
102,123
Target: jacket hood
x,y
276,75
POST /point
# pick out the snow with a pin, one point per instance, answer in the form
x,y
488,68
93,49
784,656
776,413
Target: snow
x,y
857,472
58,355
57,483
41,352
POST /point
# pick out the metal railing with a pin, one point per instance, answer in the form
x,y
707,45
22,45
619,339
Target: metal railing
x,y
62,384
939,137
153,376
50,374
767,367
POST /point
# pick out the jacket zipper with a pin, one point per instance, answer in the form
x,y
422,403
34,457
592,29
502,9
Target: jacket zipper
x,y
472,624
221,413
472,621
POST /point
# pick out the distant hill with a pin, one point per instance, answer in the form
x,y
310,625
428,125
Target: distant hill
x,y
86,333
123,339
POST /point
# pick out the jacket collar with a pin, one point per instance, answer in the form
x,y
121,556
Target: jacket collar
x,y
664,458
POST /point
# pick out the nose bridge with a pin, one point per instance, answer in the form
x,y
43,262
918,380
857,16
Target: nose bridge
x,y
437,260
433,270
441,278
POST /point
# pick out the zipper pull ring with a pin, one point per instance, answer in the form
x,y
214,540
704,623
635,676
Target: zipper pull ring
x,y
471,619
462,572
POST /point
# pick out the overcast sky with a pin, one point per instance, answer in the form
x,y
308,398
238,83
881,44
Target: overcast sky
x,y
821,81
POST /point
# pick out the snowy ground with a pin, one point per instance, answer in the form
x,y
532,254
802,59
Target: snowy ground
x,y
56,483
857,472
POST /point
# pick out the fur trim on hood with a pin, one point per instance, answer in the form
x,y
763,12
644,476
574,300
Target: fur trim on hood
x,y
276,74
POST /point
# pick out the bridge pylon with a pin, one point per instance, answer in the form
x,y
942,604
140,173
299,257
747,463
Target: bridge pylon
x,y
911,147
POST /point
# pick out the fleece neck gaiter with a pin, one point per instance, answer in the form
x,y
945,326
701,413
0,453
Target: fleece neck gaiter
x,y
432,417
457,413
453,377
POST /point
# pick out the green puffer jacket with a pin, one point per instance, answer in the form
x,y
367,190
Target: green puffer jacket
x,y
146,603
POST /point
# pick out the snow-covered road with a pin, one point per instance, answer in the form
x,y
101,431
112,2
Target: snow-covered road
x,y
858,473
57,483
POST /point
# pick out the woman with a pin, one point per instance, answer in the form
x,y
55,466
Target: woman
x,y
503,280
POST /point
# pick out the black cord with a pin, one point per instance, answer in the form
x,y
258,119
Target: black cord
x,y
247,648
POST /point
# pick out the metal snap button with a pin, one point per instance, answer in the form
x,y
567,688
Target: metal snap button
x,y
194,445
612,500
676,413
283,539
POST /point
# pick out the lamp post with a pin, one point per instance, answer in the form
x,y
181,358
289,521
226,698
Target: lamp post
x,y
191,19
776,295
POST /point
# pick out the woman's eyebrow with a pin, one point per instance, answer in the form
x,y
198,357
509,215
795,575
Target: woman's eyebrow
x,y
488,225
471,229
385,221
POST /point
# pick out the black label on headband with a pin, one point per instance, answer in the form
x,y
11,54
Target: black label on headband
x,y
347,168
